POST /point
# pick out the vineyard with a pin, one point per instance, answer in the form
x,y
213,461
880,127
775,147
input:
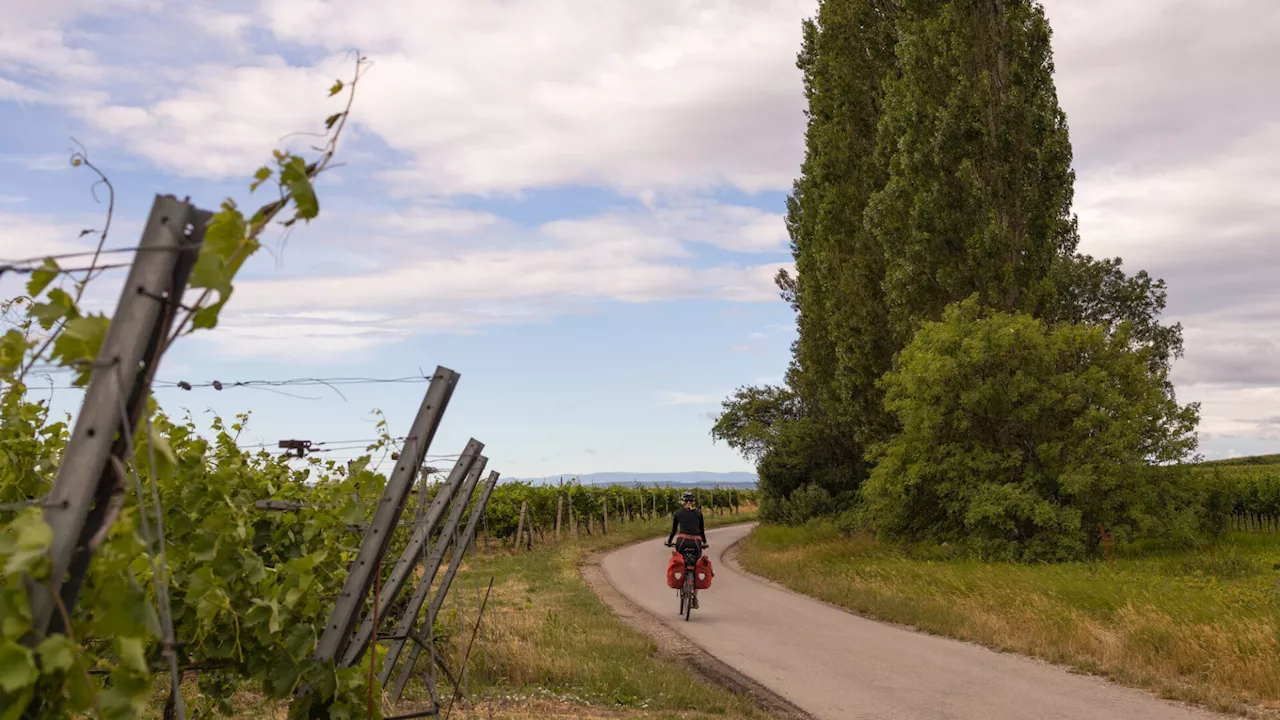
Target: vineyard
x,y
546,513
1244,494
139,550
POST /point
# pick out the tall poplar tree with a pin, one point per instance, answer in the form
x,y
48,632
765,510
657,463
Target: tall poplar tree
x,y
843,345
978,158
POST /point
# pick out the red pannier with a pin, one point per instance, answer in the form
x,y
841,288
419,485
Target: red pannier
x,y
675,571
703,573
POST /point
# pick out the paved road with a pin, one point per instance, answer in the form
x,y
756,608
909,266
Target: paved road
x,y
837,665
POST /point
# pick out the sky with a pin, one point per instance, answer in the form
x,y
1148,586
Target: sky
x,y
579,206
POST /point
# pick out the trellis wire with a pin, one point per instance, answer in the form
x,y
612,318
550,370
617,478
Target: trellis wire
x,y
158,575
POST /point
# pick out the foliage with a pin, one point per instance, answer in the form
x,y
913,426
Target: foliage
x,y
843,343
1240,496
249,589
588,503
808,502
937,168
1098,292
979,190
249,592
1022,439
753,417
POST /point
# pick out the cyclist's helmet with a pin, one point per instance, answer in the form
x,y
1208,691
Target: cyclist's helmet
x,y
686,497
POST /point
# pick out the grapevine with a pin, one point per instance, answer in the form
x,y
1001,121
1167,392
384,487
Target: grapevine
x,y
242,590
588,503
247,590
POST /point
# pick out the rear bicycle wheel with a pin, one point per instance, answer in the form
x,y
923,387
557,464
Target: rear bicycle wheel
x,y
688,593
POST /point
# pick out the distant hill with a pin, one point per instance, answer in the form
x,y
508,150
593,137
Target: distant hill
x,y
744,480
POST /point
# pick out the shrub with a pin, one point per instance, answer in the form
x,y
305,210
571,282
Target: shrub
x,y
1019,440
804,504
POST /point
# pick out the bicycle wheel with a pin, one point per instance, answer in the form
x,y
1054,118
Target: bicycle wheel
x,y
688,591
681,593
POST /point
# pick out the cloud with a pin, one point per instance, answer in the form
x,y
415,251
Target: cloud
x,y
483,96
1146,84
35,40
1174,132
485,273
10,90
679,398
23,235
224,124
429,220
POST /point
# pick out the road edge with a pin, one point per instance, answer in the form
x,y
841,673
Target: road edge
x,y
677,647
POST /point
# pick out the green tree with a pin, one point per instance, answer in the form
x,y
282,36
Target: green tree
x,y
1019,438
978,159
1098,292
842,345
752,417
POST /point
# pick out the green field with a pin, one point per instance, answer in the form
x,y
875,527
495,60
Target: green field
x,y
1188,625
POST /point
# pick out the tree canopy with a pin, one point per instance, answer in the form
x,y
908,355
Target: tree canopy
x,y
937,171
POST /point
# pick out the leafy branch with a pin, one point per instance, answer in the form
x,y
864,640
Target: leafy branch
x,y
231,239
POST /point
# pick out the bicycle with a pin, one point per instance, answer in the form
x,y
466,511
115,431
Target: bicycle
x,y
688,589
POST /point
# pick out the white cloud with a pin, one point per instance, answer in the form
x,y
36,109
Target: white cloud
x,y
679,398
10,90
480,275
486,96
431,220
23,236
224,125
1175,129
34,40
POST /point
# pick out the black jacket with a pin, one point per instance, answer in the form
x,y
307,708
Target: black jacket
x,y
687,521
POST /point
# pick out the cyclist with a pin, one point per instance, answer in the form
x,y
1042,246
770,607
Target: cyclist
x,y
687,522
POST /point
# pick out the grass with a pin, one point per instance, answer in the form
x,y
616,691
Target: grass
x,y
554,639
550,648
1185,624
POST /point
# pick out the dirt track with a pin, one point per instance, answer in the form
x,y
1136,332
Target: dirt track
x,y
838,666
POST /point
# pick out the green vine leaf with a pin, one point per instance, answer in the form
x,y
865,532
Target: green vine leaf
x,y
13,348
293,175
41,278
57,654
132,654
15,613
337,88
17,667
226,247
31,538
60,306
263,174
79,344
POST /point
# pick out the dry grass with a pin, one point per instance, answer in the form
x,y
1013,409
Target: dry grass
x,y
548,636
1183,624
549,648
